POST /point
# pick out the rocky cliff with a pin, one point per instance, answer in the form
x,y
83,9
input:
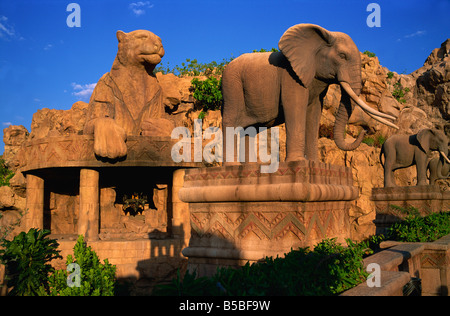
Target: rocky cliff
x,y
419,100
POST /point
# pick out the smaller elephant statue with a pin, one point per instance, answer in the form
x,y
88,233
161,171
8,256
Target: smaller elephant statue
x,y
439,168
403,151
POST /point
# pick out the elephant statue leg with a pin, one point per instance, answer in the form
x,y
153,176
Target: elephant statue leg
x,y
313,115
389,180
434,166
294,104
234,117
388,151
421,166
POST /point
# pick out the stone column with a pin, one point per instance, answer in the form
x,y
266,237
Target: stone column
x,y
34,215
88,219
181,226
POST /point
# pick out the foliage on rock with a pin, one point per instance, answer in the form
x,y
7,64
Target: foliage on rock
x,y
5,173
208,93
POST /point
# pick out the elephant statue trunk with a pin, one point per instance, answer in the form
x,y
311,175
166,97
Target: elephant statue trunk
x,y
439,168
343,115
350,98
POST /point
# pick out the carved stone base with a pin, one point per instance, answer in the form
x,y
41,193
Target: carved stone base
x,y
391,203
239,214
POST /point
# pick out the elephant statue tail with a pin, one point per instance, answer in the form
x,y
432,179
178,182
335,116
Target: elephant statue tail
x,y
382,155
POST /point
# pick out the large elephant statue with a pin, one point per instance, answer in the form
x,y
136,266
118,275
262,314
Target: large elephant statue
x,y
403,151
288,86
439,168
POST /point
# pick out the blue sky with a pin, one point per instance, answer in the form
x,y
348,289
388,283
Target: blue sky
x,y
46,64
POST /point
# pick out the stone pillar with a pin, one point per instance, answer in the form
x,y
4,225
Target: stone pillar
x,y
88,219
34,215
180,210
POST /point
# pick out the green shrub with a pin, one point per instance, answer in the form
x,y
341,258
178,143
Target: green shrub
x,y
193,68
417,228
370,54
27,259
262,50
399,92
369,141
95,278
374,141
329,269
5,174
208,93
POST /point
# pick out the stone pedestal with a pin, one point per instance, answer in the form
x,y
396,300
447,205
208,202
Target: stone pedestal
x,y
391,203
239,214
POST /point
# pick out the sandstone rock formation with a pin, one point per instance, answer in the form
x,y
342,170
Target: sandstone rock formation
x,y
59,122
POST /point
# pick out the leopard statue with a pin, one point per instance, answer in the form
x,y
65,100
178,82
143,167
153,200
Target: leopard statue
x,y
128,100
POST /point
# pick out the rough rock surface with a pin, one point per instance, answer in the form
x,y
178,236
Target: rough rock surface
x,y
59,122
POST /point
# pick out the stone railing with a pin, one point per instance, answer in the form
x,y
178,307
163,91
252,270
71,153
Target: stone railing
x,y
401,262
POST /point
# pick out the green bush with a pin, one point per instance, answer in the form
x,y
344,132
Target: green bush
x,y
208,93
416,228
193,68
95,278
399,92
370,54
263,50
374,141
5,174
329,269
27,259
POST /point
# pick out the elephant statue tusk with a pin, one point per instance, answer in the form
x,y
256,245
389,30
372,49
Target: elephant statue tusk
x,y
379,119
364,106
445,156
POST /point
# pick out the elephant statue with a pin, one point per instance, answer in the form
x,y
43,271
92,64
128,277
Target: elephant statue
x,y
403,151
439,168
267,89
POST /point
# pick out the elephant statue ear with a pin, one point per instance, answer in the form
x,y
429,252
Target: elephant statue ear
x,y
300,44
424,137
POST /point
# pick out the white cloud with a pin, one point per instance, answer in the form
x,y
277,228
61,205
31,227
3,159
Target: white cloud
x,y
415,34
6,124
418,33
6,30
48,46
139,7
83,90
